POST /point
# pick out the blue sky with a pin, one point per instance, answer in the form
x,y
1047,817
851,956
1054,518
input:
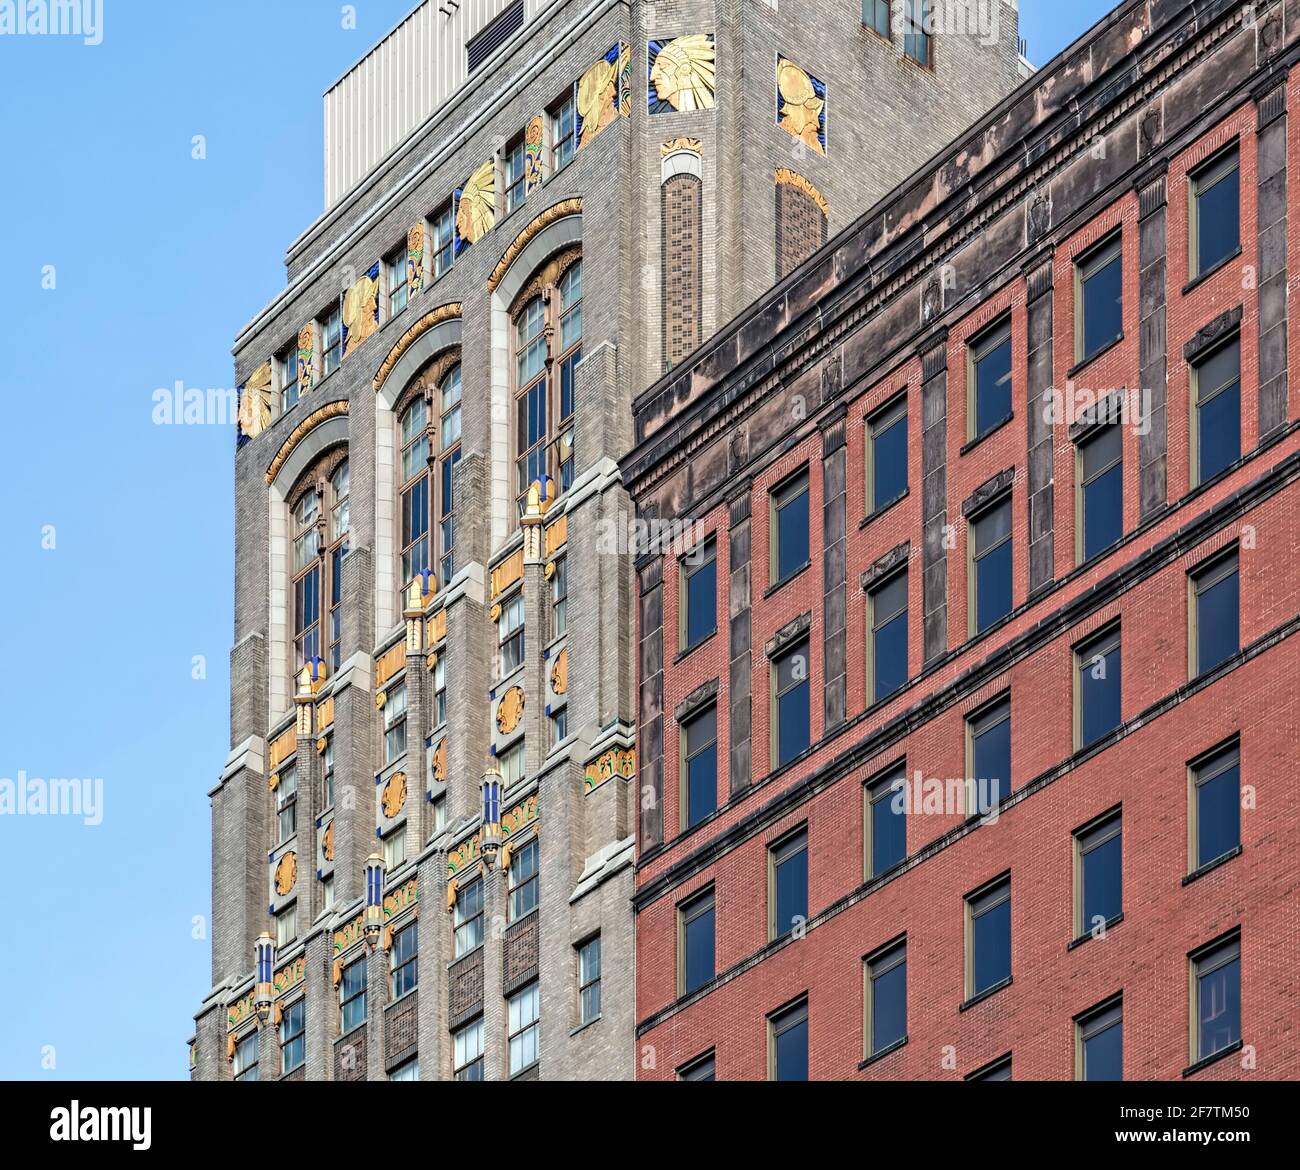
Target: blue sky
x,y
117,533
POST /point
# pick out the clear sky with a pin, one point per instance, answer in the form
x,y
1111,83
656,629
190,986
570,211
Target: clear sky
x,y
128,265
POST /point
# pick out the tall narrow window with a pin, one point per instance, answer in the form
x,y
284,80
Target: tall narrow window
x,y
990,379
1216,417
512,162
560,597
524,881
352,997
523,1015
510,634
1097,687
886,823
699,767
875,15
1215,212
339,527
293,1032
289,378
1099,1044
414,532
395,724
886,456
699,595
327,785
1100,462
244,1067
404,962
1215,614
395,848
789,528
1098,299
886,998
589,980
395,277
788,883
308,644
989,736
468,918
990,546
562,128
988,938
448,456
286,803
1216,998
467,1051
440,691
887,644
1216,807
443,239
331,333
917,30
695,947
286,925
547,340
788,1043
1099,876
791,722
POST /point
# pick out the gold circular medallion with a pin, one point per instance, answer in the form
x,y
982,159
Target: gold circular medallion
x,y
394,794
286,874
510,710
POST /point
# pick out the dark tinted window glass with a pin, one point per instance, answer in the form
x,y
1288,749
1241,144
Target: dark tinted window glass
x,y
1218,411
992,536
701,1070
888,824
1217,193
1217,785
791,535
991,359
790,883
1218,623
1099,688
991,937
697,941
1101,282
1218,999
790,1044
1102,1043
888,998
991,750
1103,491
1101,889
888,456
889,637
700,574
792,719
700,735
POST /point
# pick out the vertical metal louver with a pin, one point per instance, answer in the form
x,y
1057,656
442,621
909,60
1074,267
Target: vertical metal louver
x,y
483,44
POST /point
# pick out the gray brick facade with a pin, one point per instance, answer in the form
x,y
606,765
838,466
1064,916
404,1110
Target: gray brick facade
x,y
581,789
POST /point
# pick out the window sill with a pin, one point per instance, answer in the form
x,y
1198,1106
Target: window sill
x,y
794,575
523,1072
591,1023
684,654
1193,1069
983,995
1085,362
888,1050
1217,266
1211,866
875,515
993,430
1083,938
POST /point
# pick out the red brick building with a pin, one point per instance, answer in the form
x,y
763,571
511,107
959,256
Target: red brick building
x,y
1000,486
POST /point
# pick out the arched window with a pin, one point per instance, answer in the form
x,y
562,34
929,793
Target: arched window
x,y
547,337
320,527
430,450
